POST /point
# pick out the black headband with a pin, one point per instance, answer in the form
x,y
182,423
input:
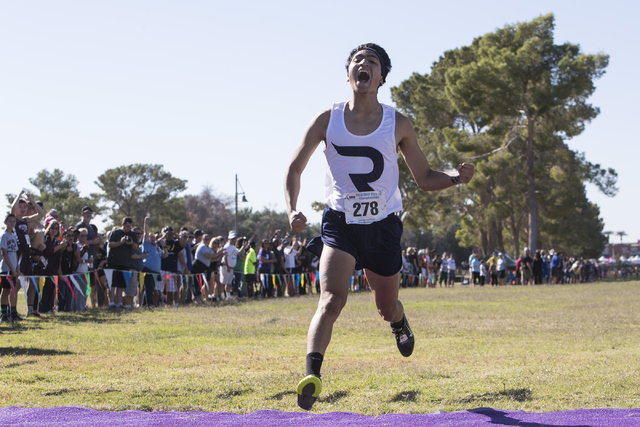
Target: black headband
x,y
383,66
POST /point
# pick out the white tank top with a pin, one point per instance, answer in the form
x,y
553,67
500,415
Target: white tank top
x,y
361,163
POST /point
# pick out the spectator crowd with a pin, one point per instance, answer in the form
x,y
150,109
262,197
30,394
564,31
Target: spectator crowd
x,y
65,267
427,268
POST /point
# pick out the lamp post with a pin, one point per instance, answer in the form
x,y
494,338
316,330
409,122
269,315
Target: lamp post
x,y
244,200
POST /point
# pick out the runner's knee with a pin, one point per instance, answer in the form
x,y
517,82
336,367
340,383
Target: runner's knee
x,y
387,313
331,305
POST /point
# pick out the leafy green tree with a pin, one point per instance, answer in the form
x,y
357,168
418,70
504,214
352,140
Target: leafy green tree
x,y
473,107
139,190
443,133
519,72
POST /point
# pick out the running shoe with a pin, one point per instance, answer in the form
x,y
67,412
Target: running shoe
x,y
16,318
308,391
404,338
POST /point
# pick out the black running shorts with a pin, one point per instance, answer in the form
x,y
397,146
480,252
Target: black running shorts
x,y
376,246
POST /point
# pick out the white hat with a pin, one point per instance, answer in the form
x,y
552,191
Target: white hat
x,y
232,235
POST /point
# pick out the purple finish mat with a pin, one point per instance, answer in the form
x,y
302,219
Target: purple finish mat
x,y
74,416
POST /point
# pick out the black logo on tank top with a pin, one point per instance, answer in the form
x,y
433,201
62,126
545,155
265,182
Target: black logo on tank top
x,y
362,180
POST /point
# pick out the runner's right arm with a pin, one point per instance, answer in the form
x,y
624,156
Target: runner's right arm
x,y
315,133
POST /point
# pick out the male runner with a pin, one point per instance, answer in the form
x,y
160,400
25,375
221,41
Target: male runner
x,y
360,227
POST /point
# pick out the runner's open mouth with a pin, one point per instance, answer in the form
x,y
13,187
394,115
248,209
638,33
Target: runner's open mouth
x,y
363,76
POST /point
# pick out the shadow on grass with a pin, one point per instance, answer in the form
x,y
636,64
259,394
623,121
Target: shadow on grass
x,y
15,365
59,392
233,393
405,396
503,419
30,351
515,394
65,390
99,316
19,327
282,395
334,397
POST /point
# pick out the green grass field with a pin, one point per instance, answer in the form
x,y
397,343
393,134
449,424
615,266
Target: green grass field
x,y
540,349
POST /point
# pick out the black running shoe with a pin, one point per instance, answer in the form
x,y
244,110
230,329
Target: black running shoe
x,y
16,318
404,338
308,391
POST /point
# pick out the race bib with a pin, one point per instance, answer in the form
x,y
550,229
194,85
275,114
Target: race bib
x,y
365,207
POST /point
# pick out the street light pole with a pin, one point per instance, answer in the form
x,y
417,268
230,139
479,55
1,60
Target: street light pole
x,y
244,199
236,223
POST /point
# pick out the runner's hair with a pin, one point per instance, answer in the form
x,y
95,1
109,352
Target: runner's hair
x,y
385,62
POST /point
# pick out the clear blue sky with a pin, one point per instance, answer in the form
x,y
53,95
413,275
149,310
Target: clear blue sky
x,y
212,89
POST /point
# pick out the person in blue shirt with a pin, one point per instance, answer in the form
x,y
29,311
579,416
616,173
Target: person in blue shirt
x,y
546,268
474,265
556,268
152,265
